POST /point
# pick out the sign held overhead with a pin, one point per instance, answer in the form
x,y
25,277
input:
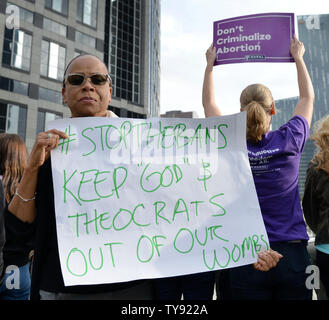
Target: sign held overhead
x,y
254,38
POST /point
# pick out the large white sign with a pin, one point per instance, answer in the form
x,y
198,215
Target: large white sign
x,y
153,198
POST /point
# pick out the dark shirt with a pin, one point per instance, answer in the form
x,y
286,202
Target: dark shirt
x,y
19,240
46,272
316,203
2,228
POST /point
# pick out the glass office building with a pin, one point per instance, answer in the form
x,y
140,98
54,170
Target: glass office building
x,y
39,37
314,32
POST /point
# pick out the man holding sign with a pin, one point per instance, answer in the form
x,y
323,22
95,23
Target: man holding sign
x,y
274,158
87,91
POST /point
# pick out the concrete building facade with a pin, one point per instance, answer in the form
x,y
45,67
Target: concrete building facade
x,y
41,36
179,114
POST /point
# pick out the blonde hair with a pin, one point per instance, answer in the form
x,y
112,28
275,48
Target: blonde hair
x,y
257,100
13,159
321,139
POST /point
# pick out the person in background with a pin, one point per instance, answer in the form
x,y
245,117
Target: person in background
x,y
316,199
2,230
19,235
87,90
276,182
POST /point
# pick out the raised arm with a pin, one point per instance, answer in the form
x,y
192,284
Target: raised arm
x,y
304,106
208,93
22,204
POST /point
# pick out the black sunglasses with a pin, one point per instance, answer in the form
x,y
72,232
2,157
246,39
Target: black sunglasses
x,y
97,79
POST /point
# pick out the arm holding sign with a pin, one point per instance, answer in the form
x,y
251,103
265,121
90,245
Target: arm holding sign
x,y
306,92
22,205
208,93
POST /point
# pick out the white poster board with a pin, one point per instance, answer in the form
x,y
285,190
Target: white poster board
x,y
153,198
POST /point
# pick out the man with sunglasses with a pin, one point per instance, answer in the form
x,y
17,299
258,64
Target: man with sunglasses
x,y
87,90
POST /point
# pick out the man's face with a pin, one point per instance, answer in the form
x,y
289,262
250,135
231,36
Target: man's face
x,y
87,99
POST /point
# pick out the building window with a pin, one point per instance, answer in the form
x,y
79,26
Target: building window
x,y
17,49
125,44
45,116
52,60
87,12
24,14
57,5
14,86
85,39
54,26
13,119
50,95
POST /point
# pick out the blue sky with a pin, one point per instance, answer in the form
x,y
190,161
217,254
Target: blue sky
x,y
186,33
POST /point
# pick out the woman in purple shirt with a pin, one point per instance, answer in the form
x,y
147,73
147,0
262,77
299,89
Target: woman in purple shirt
x,y
274,159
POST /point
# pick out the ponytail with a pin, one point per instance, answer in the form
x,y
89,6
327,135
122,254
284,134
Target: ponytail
x,y
257,121
257,100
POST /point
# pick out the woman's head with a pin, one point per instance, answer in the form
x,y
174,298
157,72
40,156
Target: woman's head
x,y
257,100
91,97
321,139
13,159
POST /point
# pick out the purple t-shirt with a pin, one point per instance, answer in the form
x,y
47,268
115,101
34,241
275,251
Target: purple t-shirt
x,y
274,164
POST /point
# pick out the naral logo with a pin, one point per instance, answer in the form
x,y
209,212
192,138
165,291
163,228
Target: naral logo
x,y
255,57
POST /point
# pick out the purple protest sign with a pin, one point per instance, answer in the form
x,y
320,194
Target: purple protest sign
x,y
255,38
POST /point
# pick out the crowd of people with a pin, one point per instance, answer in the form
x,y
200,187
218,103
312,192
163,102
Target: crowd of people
x,y
27,216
